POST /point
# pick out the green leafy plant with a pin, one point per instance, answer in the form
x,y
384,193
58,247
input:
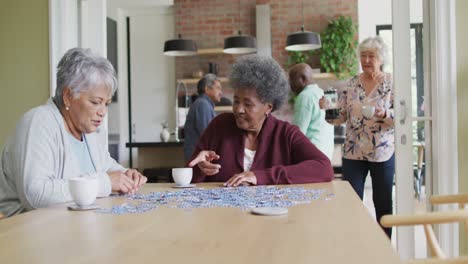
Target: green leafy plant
x,y
338,51
295,57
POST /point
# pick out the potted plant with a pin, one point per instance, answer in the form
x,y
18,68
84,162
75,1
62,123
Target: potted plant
x,y
338,51
295,57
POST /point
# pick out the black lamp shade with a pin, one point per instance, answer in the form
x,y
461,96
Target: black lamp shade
x,y
240,44
302,41
180,47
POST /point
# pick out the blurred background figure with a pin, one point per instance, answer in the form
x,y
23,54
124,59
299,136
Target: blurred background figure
x,y
201,112
307,113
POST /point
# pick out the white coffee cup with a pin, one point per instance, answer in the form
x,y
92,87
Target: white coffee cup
x,y
182,176
83,190
368,111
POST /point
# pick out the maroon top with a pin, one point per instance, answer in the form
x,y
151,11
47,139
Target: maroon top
x,y
284,155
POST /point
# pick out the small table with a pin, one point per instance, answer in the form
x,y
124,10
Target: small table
x,y
338,230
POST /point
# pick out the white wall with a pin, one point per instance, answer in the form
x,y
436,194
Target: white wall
x,y
114,5
152,73
118,112
379,12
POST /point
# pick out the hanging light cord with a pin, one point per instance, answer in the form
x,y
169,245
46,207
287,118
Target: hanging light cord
x,y
240,31
179,36
302,11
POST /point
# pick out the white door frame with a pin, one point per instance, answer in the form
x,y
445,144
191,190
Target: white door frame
x,y
443,85
404,193
63,33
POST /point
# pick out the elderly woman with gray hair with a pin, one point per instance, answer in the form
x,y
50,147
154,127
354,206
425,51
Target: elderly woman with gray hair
x,y
367,108
250,146
57,141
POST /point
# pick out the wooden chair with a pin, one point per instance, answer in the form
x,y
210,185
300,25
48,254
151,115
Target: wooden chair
x,y
428,219
460,199
462,260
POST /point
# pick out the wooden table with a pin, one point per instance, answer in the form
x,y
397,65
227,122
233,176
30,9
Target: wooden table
x,y
339,230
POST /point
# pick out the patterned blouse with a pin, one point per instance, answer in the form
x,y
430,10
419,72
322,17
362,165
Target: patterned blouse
x,y
367,139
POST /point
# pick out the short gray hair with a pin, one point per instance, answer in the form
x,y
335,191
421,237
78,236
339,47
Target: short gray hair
x,y
81,70
262,74
207,80
375,43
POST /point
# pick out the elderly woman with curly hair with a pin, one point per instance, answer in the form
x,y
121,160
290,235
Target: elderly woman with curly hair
x,y
57,141
250,146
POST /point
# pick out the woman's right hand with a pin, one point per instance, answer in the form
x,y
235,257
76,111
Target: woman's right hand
x,y
122,183
203,160
323,102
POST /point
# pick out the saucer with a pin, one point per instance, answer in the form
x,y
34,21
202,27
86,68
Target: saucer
x,y
270,211
76,207
184,186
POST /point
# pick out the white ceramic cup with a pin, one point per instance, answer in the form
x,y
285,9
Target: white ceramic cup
x,y
83,190
368,111
182,176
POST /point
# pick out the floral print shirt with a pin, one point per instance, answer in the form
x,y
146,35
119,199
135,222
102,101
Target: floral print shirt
x,y
370,139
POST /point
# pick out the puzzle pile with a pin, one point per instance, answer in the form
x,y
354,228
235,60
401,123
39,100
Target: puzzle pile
x,y
246,198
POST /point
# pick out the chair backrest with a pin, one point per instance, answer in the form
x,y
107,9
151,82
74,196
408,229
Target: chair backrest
x,y
461,260
460,199
428,219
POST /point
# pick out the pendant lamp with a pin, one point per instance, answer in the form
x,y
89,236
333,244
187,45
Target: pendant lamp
x,y
240,44
303,40
180,47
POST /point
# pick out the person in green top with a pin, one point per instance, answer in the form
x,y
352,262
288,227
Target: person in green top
x,y
307,113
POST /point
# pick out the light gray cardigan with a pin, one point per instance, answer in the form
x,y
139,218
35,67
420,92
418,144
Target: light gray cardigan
x,y
36,162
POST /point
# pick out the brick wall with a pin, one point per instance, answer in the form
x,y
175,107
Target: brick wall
x,y
209,22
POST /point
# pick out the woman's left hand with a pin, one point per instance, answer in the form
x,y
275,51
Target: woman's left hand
x,y
137,177
380,112
246,177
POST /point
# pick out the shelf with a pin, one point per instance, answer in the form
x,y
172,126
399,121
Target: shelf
x,y
324,76
195,81
317,76
212,51
227,108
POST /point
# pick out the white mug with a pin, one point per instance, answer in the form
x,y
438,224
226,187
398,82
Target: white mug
x,y
182,176
83,190
368,111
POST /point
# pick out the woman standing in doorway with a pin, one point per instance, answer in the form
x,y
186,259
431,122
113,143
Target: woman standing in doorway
x,y
367,109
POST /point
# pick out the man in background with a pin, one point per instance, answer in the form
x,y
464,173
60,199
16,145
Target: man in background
x,y
307,114
201,112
